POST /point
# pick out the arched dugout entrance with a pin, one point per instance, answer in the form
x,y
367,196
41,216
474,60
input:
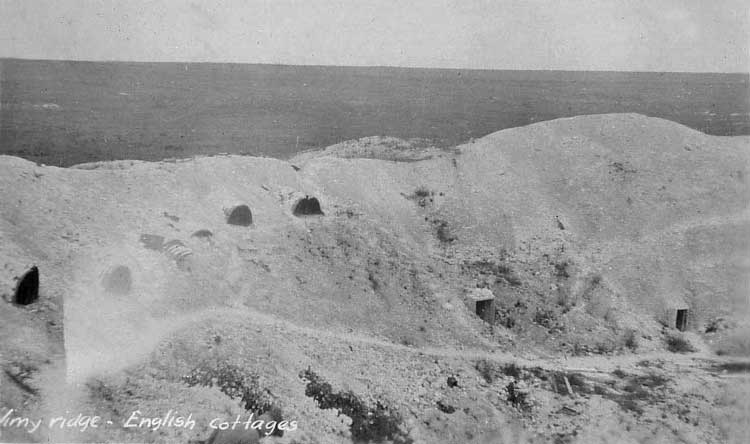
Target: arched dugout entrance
x,y
27,288
307,206
239,215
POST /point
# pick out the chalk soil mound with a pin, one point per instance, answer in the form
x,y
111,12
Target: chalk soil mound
x,y
583,228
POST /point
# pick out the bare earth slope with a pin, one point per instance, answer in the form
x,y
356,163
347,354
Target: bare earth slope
x,y
586,229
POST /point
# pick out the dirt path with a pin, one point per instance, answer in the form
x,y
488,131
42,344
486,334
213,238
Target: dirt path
x,y
585,364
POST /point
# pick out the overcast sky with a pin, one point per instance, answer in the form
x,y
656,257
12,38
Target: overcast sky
x,y
631,35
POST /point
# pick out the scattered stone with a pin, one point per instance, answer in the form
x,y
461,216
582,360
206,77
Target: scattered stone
x,y
445,408
202,234
171,217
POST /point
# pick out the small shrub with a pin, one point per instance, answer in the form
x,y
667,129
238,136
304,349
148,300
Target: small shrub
x,y
505,318
580,349
604,347
374,284
565,299
485,369
445,408
678,344
422,196
513,280
719,324
233,382
652,380
407,341
735,343
422,191
630,339
369,423
499,271
512,370
629,404
561,270
622,167
443,232
518,395
544,317
734,367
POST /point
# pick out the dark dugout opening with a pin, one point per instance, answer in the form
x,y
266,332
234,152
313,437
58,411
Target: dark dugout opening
x,y
240,215
485,310
27,289
307,206
681,321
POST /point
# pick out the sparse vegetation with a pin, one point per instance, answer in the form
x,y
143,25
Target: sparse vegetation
x,y
622,168
233,382
605,346
374,284
628,393
369,423
499,271
486,369
565,300
619,373
422,196
734,367
505,318
512,370
630,339
639,389
445,408
676,343
719,324
518,395
444,233
561,269
422,192
545,317
734,343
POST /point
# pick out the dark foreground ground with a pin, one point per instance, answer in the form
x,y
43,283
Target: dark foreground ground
x,y
63,113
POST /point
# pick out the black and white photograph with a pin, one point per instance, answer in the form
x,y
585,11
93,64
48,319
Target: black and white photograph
x,y
375,221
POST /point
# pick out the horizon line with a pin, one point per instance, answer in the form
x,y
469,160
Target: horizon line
x,y
371,66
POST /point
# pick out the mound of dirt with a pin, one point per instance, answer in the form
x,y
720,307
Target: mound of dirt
x,y
591,232
376,147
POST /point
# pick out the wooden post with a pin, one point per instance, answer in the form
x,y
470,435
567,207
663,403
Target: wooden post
x,y
567,385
